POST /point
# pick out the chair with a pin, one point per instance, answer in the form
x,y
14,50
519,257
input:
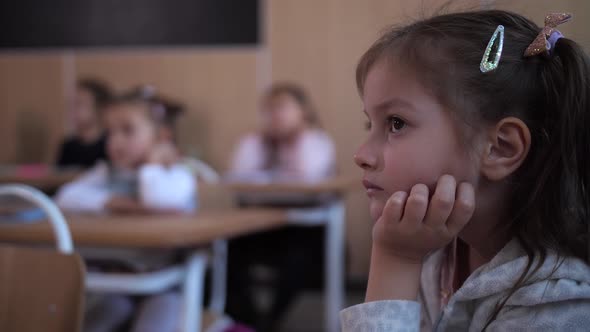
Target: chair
x,y
190,275
41,289
209,175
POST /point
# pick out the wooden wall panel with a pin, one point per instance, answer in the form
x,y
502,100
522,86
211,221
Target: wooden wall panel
x,y
218,87
31,107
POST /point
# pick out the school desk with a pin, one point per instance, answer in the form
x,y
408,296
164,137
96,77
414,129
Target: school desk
x,y
157,231
41,177
149,231
330,213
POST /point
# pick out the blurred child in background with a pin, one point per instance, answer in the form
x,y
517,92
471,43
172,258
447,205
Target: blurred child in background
x,y
289,146
86,145
143,175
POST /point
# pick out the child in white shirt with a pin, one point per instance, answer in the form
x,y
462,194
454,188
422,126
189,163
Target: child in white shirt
x,y
144,175
289,146
144,172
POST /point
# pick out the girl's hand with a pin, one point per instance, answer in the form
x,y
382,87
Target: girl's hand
x,y
411,227
123,204
128,205
164,154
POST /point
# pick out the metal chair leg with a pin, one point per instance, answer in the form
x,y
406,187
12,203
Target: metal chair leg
x,y
193,292
219,275
334,266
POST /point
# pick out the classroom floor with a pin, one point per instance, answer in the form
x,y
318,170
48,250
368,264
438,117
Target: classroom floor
x,y
306,314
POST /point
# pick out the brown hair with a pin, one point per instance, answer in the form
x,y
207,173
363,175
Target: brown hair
x,y
551,94
309,114
100,91
300,96
161,110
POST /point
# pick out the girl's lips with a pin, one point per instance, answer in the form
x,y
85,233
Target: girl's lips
x,y
370,185
372,189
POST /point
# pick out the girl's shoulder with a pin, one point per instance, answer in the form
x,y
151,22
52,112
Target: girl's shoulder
x,y
501,273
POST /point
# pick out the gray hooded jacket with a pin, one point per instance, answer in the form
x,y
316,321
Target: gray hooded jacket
x,y
554,299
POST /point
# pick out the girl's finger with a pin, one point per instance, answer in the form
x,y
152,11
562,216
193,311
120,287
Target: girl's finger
x,y
463,208
441,203
394,207
416,205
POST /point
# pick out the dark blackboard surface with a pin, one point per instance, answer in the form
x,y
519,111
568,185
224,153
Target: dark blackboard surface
x,y
54,24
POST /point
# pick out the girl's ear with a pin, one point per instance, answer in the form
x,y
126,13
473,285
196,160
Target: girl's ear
x,y
506,148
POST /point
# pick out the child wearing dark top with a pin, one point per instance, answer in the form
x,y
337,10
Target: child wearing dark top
x,y
87,144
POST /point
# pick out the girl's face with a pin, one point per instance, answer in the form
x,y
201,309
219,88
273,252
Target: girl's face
x,y
84,111
411,138
131,135
282,116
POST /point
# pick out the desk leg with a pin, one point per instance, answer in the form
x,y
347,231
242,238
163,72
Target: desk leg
x,y
219,273
193,292
334,266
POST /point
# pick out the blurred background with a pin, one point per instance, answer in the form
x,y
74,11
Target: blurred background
x,y
216,57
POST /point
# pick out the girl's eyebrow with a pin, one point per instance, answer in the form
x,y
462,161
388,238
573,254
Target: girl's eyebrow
x,y
388,104
394,102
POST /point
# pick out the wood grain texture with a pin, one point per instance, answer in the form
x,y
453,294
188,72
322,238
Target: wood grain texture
x,y
150,231
40,290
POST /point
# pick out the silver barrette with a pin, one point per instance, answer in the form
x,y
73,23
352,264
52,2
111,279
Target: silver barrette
x,y
488,64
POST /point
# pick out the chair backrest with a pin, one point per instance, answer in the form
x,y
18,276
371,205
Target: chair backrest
x,y
40,290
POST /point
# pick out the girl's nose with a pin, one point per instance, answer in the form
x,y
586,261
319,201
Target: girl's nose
x,y
364,159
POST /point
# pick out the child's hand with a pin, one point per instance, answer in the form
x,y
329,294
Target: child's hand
x,y
127,205
410,227
123,204
164,154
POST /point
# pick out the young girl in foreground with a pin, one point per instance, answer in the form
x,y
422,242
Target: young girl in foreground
x,y
477,170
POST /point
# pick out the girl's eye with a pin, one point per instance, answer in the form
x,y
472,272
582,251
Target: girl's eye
x,y
395,124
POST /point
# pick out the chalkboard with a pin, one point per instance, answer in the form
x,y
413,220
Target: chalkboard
x,y
42,24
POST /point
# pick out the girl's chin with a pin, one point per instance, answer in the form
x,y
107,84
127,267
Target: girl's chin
x,y
376,209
